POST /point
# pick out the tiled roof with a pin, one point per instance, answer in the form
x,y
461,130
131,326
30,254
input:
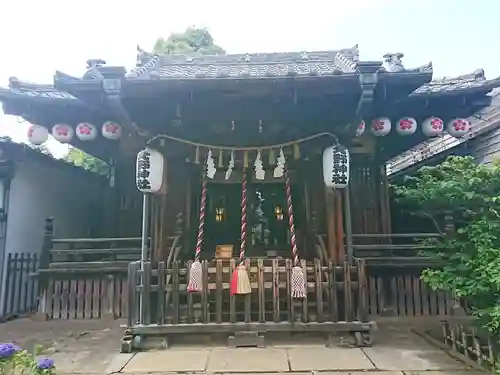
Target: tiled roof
x,y
463,82
17,87
247,65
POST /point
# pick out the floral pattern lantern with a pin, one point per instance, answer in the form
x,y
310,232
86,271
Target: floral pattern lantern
x,y
406,126
111,130
458,127
149,171
432,127
381,126
37,135
336,166
62,133
86,131
361,128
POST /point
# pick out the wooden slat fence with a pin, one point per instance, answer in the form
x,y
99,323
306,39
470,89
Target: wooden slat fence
x,y
334,293
464,337
394,265
90,295
21,289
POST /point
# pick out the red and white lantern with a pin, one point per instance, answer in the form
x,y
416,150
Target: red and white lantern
x,y
37,135
86,131
432,127
361,128
381,126
111,130
62,133
458,127
406,126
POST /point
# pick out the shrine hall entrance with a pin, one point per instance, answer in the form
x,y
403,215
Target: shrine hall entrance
x,y
267,219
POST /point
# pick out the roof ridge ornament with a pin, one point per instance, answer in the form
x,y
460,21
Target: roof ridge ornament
x,y
392,62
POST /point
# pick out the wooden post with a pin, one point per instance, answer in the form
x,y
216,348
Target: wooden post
x,y
45,259
348,224
330,225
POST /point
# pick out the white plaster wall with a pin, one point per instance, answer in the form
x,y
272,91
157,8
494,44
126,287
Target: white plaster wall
x,y
39,190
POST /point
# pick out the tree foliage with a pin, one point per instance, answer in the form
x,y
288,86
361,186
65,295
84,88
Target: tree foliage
x,y
82,159
43,149
470,257
192,41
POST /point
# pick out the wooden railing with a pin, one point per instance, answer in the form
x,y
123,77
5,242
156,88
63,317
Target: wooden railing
x,y
394,265
340,296
86,278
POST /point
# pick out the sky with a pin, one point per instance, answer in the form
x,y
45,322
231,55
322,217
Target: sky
x,y
39,37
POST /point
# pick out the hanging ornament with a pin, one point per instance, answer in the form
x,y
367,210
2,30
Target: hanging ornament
x,y
361,128
458,127
221,159
272,157
197,155
296,151
37,134
279,171
336,166
62,133
149,171
260,173
406,126
432,127
381,126
245,159
210,165
230,167
86,131
260,126
111,130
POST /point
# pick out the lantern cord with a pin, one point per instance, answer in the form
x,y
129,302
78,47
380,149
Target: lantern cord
x,y
246,148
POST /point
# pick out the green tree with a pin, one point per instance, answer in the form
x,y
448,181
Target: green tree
x,y
81,159
192,41
43,149
469,260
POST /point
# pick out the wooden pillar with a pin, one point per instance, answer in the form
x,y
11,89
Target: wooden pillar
x,y
348,224
331,232
339,226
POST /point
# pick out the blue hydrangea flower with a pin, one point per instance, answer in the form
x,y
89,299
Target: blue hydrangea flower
x,y
45,363
8,350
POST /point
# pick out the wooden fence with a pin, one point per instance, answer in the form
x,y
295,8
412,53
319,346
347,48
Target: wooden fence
x,y
475,344
20,295
89,295
334,294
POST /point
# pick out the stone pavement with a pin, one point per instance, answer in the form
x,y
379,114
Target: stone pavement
x,y
84,348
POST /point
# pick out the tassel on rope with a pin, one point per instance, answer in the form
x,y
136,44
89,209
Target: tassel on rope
x,y
297,280
195,283
240,282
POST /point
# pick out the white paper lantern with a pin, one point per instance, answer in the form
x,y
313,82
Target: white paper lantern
x,y
361,128
406,126
432,127
336,162
62,133
111,130
149,171
37,135
458,127
381,126
86,131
